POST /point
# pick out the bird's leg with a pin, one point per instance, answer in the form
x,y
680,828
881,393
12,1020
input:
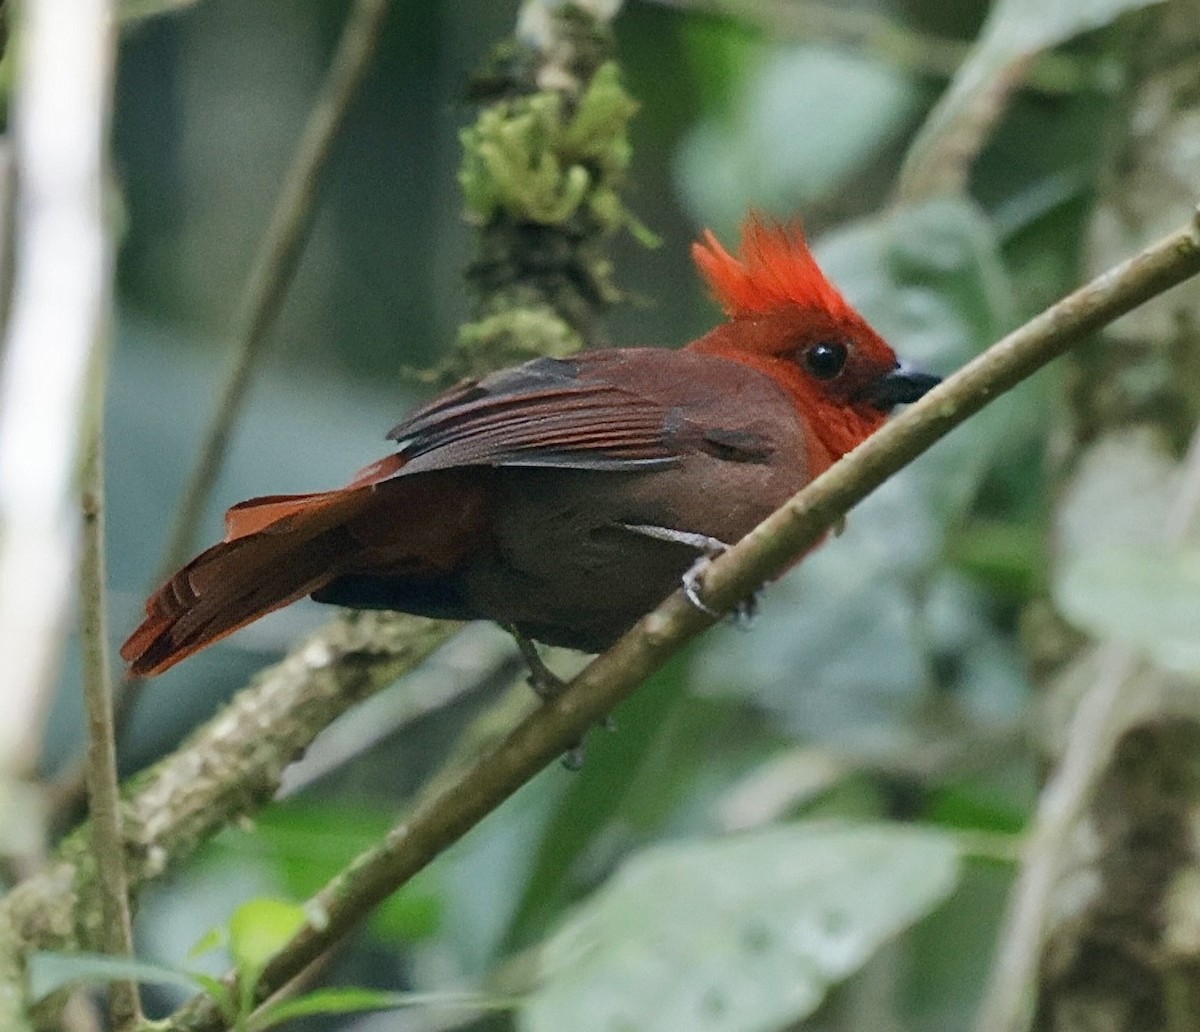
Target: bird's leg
x,y
709,548
548,685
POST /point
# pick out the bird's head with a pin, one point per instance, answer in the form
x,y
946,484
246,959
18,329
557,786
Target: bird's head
x,y
788,320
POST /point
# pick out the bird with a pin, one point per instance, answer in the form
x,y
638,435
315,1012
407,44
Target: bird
x,y
564,498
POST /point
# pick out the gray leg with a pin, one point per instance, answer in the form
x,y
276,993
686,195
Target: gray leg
x,y
545,683
548,685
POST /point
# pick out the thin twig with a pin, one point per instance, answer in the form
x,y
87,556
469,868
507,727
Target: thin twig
x,y
762,554
270,276
1092,735
103,790
60,317
277,259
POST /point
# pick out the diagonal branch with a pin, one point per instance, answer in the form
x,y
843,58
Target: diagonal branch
x,y
277,259
762,554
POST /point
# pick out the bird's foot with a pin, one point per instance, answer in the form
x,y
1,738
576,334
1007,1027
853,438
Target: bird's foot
x,y
742,614
709,548
691,586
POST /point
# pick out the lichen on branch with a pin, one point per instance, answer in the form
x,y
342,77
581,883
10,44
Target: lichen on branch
x,y
543,165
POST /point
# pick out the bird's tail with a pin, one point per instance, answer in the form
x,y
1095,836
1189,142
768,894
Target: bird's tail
x,y
289,546
280,548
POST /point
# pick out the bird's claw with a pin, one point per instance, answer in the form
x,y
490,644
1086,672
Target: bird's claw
x,y
743,613
709,547
691,587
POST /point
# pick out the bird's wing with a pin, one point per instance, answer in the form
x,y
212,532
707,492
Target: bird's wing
x,y
626,409
594,411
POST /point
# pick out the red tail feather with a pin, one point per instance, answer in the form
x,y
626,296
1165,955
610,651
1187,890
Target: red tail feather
x,y
264,567
280,548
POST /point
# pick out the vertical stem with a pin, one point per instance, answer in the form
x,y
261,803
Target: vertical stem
x,y
276,261
108,841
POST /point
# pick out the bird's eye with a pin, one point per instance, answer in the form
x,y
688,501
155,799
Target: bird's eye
x,y
825,359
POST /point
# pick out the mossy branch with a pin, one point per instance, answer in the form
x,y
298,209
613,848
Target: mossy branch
x,y
542,169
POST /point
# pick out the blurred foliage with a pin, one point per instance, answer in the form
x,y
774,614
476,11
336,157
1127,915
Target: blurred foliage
x,y
786,913
885,676
1120,578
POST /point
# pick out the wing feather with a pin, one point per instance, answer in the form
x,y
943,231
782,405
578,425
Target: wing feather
x,y
550,412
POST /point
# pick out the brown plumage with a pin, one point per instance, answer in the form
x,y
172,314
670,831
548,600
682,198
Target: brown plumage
x,y
566,497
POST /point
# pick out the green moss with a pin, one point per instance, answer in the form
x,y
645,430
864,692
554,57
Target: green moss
x,y
539,158
505,338
542,171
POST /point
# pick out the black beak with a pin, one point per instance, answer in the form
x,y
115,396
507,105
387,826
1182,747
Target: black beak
x,y
901,386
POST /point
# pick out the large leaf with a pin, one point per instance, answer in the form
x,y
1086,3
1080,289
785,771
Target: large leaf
x,y
260,928
1147,597
807,119
740,934
308,841
1118,576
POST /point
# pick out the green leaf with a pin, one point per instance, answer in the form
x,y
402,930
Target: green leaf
x,y
1147,597
576,837
740,934
1009,557
1015,32
259,928
213,939
1117,578
481,880
309,841
1120,495
356,1001
808,118
49,972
